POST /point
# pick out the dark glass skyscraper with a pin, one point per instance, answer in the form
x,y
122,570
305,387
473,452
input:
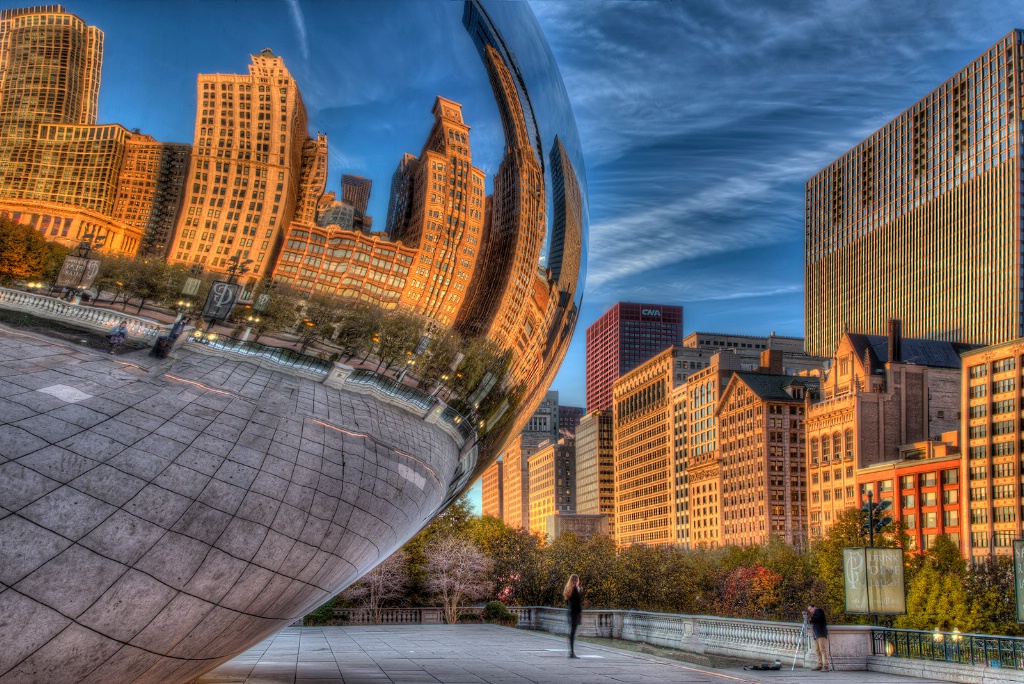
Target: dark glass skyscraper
x,y
624,337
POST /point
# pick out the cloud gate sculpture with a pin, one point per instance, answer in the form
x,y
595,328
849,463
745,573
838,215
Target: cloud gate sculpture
x,y
159,516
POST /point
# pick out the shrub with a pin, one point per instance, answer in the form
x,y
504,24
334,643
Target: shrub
x,y
495,612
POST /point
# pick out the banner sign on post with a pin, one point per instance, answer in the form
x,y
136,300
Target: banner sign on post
x,y
873,581
221,300
261,303
1018,576
191,288
78,272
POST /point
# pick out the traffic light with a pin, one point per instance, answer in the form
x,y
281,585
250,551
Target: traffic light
x,y
875,519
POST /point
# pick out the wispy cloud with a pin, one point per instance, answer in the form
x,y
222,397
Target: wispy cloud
x,y
300,27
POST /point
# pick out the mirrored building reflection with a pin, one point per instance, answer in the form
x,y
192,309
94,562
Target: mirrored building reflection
x,y
447,316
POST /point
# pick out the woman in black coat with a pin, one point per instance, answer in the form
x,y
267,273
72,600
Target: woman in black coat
x,y
573,597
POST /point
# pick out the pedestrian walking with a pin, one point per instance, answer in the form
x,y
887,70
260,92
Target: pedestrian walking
x,y
819,630
573,596
117,335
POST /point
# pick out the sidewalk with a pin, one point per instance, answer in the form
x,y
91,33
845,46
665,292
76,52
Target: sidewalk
x,y
419,654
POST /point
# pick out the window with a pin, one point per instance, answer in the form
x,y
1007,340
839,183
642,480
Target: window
x,y
1004,365
906,482
907,501
979,516
927,479
979,540
951,496
979,371
979,493
950,518
1003,492
886,486
950,476
1004,514
928,520
1007,385
928,498
1003,470
910,521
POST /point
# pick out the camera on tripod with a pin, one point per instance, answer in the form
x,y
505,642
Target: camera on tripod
x,y
804,614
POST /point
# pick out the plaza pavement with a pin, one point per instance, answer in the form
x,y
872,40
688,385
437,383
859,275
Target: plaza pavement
x,y
428,654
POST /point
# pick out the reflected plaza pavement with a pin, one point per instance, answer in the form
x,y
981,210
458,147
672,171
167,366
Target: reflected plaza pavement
x,y
159,517
477,653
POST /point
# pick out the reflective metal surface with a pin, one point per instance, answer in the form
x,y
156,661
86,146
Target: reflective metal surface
x,y
158,519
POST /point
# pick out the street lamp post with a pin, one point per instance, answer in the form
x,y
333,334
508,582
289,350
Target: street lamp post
x,y
238,267
250,321
183,306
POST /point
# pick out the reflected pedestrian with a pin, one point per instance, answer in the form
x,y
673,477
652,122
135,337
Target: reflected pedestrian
x,y
573,596
117,335
819,629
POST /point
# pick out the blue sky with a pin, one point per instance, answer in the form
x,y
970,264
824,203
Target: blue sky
x,y
699,121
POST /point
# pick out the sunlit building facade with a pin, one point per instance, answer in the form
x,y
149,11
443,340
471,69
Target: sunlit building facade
x,y
541,428
625,336
491,485
440,211
149,190
43,85
552,472
254,169
595,466
763,485
922,220
879,394
643,452
991,433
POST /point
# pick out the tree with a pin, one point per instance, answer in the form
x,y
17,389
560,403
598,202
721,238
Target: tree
x,y
146,279
518,558
356,325
397,338
827,559
383,585
318,324
280,312
751,592
989,584
113,275
936,601
458,571
24,252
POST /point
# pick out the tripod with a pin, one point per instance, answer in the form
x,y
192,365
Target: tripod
x,y
799,641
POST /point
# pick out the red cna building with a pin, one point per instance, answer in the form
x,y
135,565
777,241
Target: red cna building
x,y
624,337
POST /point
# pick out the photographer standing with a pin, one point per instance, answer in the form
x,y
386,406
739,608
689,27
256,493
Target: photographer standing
x,y
820,631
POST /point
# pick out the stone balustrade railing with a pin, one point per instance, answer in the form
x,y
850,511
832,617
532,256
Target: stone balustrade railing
x,y
140,329
852,647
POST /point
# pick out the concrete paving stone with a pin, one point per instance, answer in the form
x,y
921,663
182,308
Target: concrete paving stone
x,y
93,445
180,480
108,484
174,559
25,626
202,522
177,432
57,463
50,662
158,505
81,416
228,433
138,463
223,496
131,604
72,581
247,456
215,576
123,537
104,404
236,474
20,486
120,431
11,411
156,445
185,418
68,512
199,460
124,666
16,442
242,539
173,623
146,422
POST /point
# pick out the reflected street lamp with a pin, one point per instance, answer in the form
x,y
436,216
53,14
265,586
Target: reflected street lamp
x,y
250,321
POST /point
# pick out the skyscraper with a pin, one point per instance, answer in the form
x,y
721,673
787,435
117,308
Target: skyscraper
x,y
149,190
921,221
355,190
595,466
63,174
439,209
624,337
253,171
